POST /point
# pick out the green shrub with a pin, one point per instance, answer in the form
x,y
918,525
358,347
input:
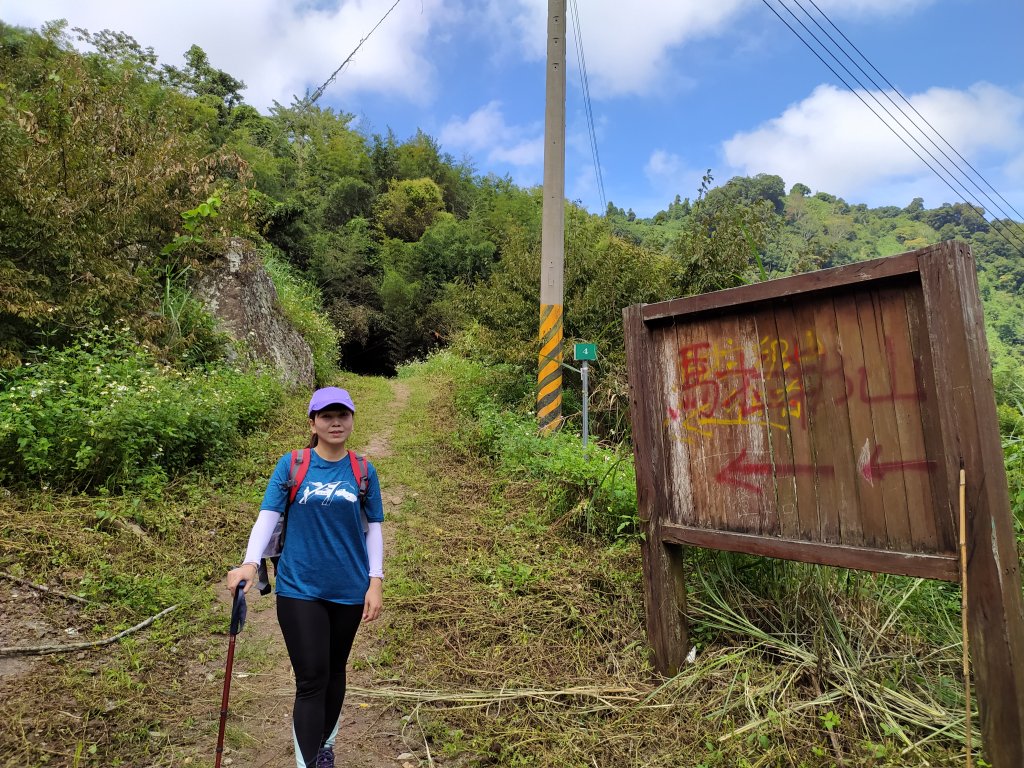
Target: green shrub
x,y
301,304
102,414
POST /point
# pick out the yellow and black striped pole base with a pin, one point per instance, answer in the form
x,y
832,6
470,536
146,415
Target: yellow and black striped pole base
x,y
549,367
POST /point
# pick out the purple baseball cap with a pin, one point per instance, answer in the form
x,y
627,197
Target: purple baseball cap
x,y
328,396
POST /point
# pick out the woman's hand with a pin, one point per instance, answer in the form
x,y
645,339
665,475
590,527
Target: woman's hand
x,y
374,599
246,571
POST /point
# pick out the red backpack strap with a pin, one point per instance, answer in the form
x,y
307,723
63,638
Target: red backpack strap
x,y
297,473
361,475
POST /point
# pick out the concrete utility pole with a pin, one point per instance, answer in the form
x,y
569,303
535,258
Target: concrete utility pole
x,y
549,374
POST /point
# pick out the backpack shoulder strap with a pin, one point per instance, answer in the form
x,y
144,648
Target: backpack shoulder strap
x,y
360,472
297,473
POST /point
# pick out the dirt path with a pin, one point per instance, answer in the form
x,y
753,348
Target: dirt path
x,y
371,733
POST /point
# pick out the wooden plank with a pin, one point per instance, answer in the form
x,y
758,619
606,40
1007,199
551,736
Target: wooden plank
x,y
737,449
698,397
970,432
716,444
875,394
798,285
943,481
826,383
794,343
781,516
759,424
680,492
863,522
664,589
646,442
906,396
942,567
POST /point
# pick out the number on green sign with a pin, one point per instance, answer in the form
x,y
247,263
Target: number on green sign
x,y
585,351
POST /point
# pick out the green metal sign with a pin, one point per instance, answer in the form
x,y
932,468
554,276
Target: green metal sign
x,y
585,351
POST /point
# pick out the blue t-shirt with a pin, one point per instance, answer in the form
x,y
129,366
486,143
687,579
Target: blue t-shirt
x,y
324,554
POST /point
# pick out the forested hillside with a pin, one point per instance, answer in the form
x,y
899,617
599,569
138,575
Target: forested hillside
x,y
113,163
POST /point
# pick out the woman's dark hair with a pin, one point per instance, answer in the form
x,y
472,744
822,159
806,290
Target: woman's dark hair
x,y
313,439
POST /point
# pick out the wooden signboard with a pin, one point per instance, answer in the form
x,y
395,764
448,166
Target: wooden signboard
x,y
824,418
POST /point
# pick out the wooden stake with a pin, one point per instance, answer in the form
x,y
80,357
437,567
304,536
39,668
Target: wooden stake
x,y
963,610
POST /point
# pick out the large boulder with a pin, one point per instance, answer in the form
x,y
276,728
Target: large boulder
x,y
237,290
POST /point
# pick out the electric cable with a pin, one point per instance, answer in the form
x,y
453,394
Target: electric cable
x,y
588,108
967,195
866,104
965,175
909,104
311,99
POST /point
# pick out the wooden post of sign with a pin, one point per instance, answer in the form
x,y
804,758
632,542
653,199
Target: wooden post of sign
x,y
664,588
970,431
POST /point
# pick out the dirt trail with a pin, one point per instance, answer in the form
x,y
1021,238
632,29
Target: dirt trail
x,y
370,735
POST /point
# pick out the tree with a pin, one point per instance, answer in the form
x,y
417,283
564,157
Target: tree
x,y
451,250
98,163
200,78
724,235
800,189
408,208
915,208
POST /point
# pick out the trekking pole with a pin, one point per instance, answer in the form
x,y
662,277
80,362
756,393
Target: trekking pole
x,y
237,622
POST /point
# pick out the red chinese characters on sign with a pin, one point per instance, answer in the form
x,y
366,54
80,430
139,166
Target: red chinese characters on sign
x,y
779,383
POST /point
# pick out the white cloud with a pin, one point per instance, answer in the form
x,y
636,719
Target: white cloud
x,y
662,166
627,46
486,132
278,48
525,153
830,141
667,175
281,48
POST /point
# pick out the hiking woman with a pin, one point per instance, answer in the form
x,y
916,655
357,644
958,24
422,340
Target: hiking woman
x,y
331,568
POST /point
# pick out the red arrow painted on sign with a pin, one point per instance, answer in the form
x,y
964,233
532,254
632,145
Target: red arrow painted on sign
x,y
734,472
872,469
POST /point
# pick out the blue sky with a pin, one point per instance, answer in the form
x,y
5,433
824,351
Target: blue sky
x,y
676,87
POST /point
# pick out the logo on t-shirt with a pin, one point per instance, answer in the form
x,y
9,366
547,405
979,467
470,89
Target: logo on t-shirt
x,y
326,491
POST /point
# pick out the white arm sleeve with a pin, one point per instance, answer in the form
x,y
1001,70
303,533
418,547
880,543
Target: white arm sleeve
x,y
375,550
262,530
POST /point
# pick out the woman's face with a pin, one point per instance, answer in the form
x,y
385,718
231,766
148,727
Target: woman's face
x,y
332,426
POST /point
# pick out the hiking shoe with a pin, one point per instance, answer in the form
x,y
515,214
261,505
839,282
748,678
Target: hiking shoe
x,y
325,758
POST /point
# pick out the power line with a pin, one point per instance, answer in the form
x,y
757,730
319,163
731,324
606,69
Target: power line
x,y
963,190
967,195
965,175
311,99
900,94
585,85
884,122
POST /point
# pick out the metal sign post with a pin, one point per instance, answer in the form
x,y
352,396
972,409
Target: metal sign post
x,y
585,375
585,353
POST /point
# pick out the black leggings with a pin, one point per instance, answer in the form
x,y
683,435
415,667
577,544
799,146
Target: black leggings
x,y
319,636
